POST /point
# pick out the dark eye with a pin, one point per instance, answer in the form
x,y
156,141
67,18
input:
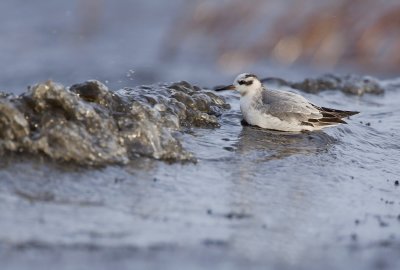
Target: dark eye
x,y
243,82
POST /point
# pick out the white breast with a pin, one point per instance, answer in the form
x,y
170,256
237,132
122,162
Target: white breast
x,y
245,107
257,118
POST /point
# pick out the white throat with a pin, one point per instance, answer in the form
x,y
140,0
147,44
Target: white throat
x,y
251,90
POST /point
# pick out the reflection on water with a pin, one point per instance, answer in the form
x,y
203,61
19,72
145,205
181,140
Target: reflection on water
x,y
270,145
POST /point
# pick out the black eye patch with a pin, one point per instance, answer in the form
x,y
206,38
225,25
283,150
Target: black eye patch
x,y
245,83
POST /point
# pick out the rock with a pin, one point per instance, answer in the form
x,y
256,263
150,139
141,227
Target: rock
x,y
349,84
89,124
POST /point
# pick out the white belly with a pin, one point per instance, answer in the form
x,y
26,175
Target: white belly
x,y
256,118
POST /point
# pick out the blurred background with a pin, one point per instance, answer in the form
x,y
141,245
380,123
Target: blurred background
x,y
130,42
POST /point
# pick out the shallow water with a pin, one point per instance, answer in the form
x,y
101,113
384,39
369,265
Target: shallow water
x,y
254,199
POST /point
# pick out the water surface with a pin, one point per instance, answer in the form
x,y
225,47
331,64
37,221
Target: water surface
x,y
254,199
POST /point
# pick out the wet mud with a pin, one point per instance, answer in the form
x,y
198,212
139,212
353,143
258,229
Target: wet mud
x,y
91,125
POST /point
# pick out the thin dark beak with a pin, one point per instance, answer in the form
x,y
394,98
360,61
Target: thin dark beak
x,y
228,87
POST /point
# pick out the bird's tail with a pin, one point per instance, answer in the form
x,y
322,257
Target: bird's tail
x,y
331,117
337,113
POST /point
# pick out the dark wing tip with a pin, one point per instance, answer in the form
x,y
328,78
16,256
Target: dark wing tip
x,y
336,113
353,113
327,121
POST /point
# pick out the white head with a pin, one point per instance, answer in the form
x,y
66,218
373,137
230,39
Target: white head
x,y
244,83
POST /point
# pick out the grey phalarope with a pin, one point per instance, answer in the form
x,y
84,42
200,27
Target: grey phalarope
x,y
281,110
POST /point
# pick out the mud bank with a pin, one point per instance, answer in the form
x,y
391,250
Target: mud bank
x,y
91,125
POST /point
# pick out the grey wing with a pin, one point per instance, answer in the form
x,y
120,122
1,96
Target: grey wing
x,y
289,106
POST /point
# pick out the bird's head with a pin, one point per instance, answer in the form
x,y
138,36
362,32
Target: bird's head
x,y
244,83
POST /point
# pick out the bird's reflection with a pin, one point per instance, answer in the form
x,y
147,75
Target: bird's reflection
x,y
270,145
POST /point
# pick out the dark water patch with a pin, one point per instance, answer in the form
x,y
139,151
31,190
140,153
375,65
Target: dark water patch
x,y
89,124
272,145
237,215
216,243
40,197
50,197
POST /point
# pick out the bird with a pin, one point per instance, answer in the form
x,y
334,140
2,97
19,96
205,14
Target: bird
x,y
281,110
